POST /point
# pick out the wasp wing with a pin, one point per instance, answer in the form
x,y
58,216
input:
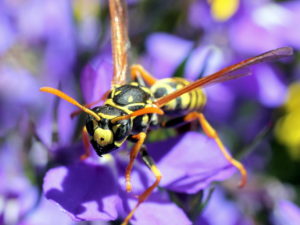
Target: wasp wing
x,y
231,72
120,41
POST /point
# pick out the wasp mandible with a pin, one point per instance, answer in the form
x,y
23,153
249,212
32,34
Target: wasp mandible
x,y
131,109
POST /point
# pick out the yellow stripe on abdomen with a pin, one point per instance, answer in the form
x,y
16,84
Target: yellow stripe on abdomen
x,y
191,101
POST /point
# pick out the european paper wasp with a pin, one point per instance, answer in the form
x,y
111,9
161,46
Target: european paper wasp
x,y
131,109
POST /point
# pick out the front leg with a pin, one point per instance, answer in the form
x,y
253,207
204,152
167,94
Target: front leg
x,y
133,154
86,144
151,165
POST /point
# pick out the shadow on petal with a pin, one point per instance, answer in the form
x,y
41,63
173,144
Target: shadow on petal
x,y
86,192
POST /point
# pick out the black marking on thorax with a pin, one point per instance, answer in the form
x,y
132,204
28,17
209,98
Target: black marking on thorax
x,y
109,110
129,94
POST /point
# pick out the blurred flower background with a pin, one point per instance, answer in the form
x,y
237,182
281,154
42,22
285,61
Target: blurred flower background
x,y
66,44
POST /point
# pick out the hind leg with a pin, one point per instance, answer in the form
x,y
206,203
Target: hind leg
x,y
212,133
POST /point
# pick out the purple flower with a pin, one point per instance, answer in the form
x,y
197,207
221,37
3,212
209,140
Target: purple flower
x,y
6,31
17,194
15,91
85,191
91,192
101,195
222,211
286,213
42,45
37,47
240,37
96,77
46,209
273,22
165,53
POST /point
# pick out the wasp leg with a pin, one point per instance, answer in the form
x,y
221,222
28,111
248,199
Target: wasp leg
x,y
89,105
86,145
150,163
212,133
133,154
137,70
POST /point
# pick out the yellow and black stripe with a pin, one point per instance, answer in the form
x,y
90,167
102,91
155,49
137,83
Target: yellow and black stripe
x,y
188,102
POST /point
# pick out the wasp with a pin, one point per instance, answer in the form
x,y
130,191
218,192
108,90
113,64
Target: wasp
x,y
132,109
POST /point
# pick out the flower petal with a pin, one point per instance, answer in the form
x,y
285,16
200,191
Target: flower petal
x,y
166,52
158,209
286,213
96,78
85,191
228,212
190,163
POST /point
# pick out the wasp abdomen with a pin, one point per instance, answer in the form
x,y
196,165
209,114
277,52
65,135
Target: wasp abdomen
x,y
191,101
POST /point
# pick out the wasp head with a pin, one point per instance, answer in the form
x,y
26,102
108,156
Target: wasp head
x,y
107,136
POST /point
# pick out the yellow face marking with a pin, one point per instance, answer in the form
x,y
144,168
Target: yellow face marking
x,y
103,137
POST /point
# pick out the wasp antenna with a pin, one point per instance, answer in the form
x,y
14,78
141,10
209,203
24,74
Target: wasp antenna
x,y
69,99
139,112
284,51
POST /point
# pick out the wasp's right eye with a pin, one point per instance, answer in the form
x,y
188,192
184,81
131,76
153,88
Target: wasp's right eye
x,y
90,126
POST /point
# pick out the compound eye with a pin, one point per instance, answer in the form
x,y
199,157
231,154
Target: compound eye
x,y
103,137
90,126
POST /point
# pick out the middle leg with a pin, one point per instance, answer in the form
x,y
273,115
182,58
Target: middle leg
x,y
133,154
